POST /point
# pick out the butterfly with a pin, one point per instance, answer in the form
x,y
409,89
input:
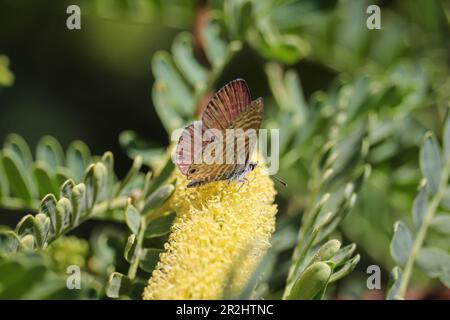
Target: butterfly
x,y
231,108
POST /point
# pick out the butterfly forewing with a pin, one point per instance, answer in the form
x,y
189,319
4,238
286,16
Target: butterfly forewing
x,y
232,112
240,151
226,105
245,126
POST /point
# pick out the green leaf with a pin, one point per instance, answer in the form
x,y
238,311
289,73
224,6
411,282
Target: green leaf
x,y
91,192
66,189
28,242
118,285
430,162
183,54
45,182
48,206
272,45
343,254
42,227
394,283
6,76
28,274
441,223
357,100
446,140
170,119
433,261
401,243
277,86
445,201
311,282
348,151
130,248
50,152
149,258
346,269
108,161
95,181
135,146
159,226
78,200
25,226
245,18
157,198
294,89
18,181
165,71
17,145
215,47
62,175
78,158
4,185
63,215
163,175
9,241
135,167
133,218
420,207
100,178
326,251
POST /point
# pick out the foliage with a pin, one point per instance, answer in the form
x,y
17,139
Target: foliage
x,y
6,76
408,247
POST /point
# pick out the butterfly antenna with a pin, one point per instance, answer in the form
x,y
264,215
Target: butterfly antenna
x,y
282,182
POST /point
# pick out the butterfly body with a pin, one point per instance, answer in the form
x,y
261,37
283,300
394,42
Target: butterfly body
x,y
238,175
231,119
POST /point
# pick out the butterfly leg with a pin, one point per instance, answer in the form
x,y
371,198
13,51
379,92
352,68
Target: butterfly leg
x,y
195,183
243,181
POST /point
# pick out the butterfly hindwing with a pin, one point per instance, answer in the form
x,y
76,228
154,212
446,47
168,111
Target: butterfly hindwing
x,y
190,145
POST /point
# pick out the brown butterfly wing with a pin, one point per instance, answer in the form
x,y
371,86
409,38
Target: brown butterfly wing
x,y
249,122
190,144
250,118
226,105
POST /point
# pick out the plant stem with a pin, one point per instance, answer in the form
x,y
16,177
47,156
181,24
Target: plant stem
x,y
99,208
422,232
140,239
13,203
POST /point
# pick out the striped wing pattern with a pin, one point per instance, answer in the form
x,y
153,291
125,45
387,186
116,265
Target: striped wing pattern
x,y
249,119
186,150
230,108
226,105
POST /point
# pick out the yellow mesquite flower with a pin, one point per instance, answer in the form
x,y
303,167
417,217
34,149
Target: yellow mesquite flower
x,y
219,236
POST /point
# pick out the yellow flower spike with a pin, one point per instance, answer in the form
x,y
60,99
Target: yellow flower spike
x,y
219,236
